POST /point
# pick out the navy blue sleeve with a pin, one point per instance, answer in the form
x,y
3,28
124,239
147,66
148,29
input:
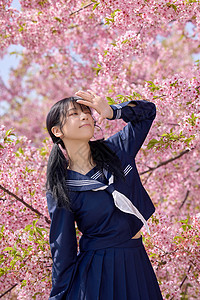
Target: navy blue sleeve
x,y
63,244
139,119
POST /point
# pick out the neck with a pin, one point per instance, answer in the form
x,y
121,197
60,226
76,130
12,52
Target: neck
x,y
79,156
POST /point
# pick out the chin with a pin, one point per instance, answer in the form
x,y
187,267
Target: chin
x,y
87,136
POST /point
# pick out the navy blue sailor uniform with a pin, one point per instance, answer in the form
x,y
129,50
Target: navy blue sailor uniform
x,y
110,265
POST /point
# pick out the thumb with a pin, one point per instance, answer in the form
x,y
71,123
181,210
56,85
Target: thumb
x,y
100,120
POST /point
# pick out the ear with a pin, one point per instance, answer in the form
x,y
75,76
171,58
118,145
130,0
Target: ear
x,y
56,131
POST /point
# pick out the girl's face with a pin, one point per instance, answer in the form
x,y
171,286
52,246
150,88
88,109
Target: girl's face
x,y
73,128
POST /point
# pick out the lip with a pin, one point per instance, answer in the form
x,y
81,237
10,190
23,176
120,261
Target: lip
x,y
85,125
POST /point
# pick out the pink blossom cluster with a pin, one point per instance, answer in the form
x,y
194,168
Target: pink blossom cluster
x,y
25,250
138,49
174,250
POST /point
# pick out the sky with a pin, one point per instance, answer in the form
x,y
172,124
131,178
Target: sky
x,y
10,61
16,4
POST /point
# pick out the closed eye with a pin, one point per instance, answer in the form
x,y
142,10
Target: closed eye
x,y
75,113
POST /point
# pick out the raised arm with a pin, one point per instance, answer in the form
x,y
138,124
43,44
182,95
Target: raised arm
x,y
63,244
139,114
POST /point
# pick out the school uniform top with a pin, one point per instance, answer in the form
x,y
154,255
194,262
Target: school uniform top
x,y
107,212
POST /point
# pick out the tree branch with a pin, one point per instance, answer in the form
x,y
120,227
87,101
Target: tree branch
x,y
147,177
24,203
172,124
186,196
10,289
183,280
163,163
185,276
81,8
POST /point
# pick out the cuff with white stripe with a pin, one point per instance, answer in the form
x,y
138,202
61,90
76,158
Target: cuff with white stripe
x,y
117,109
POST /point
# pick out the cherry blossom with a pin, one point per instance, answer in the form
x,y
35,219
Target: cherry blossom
x,y
123,50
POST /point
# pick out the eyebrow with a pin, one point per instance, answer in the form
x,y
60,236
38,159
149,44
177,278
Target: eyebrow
x,y
71,109
76,108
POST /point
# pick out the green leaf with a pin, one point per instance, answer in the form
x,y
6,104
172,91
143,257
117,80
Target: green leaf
x,y
125,41
43,151
19,151
28,227
152,143
2,272
185,221
108,21
9,132
13,262
192,120
54,30
178,237
95,6
110,100
136,95
32,193
14,52
2,228
8,249
174,83
154,220
153,86
42,3
189,102
39,231
172,5
152,254
98,69
34,222
111,20
114,12
36,294
58,19
29,170
23,283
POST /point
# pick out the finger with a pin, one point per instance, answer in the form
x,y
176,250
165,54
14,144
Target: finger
x,y
100,120
84,96
92,93
83,93
87,103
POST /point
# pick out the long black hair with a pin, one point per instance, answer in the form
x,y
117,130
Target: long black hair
x,y
57,165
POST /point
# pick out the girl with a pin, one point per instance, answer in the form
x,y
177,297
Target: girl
x,y
97,185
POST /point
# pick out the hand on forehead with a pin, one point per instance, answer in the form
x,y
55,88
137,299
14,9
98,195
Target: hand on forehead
x,y
76,105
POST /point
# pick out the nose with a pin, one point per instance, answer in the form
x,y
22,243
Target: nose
x,y
84,115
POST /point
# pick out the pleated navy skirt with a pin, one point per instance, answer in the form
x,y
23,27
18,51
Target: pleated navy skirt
x,y
122,272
